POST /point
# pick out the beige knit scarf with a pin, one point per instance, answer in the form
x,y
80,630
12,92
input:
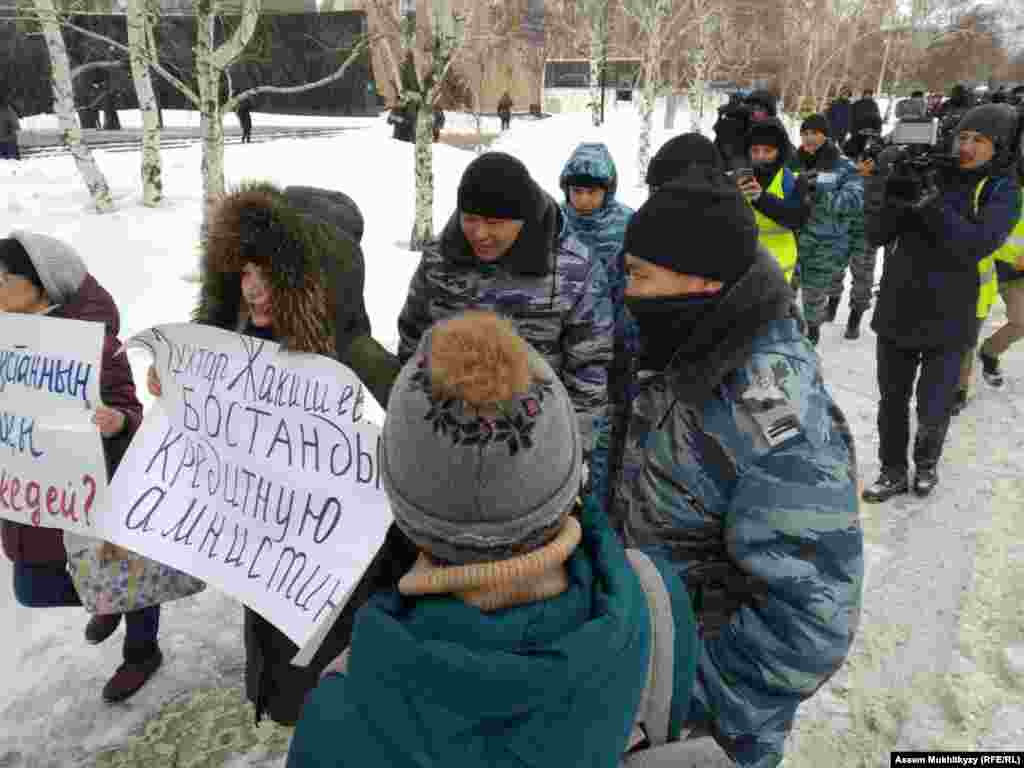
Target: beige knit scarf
x,y
528,578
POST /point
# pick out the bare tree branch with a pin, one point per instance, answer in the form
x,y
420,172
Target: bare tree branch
x,y
88,67
184,89
356,51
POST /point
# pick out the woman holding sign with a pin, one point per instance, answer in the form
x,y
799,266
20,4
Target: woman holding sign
x,y
41,275
286,266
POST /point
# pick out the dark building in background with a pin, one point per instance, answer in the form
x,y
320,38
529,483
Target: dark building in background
x,y
287,49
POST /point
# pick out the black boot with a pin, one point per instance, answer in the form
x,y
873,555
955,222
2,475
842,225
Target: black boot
x,y
853,324
814,334
892,481
927,452
831,309
990,370
960,402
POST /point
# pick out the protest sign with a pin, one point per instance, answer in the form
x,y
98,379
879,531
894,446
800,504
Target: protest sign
x,y
257,472
52,470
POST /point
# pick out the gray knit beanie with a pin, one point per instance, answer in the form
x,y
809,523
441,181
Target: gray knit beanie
x,y
482,455
60,269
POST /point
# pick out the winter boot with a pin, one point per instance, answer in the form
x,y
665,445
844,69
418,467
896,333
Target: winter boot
x,y
892,481
960,401
814,334
100,628
832,309
927,452
990,370
130,677
853,324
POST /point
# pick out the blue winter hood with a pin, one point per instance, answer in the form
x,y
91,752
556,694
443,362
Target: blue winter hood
x,y
594,161
555,682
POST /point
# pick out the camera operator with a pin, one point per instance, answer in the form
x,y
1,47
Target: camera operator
x,y
939,230
731,130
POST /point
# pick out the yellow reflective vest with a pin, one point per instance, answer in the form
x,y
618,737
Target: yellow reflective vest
x,y
780,241
1012,252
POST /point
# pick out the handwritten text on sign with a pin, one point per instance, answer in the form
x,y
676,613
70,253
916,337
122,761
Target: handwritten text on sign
x,y
52,471
259,474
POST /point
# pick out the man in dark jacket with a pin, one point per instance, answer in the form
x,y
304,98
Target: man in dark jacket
x,y
508,249
42,275
403,121
244,113
838,115
863,112
927,305
9,127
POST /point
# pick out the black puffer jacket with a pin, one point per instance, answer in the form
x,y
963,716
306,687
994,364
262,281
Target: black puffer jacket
x,y
317,279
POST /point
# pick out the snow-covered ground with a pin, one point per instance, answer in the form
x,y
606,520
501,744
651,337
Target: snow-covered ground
x,y
939,659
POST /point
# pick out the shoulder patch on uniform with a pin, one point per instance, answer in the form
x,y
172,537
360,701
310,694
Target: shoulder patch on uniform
x,y
771,410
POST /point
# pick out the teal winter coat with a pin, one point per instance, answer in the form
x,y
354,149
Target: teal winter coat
x,y
603,232
433,681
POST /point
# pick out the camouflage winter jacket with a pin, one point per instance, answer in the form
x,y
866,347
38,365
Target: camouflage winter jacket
x,y
838,198
603,232
547,285
739,468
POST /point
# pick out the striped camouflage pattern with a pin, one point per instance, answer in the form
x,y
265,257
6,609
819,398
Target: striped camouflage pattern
x,y
768,538
603,232
862,267
565,315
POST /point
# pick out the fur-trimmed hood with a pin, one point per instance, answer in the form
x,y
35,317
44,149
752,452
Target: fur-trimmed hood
x,y
301,238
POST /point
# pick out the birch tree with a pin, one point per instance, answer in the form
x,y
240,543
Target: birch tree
x,y
211,64
141,42
64,105
419,50
655,18
596,14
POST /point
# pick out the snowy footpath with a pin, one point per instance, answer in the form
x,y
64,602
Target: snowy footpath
x,y
939,657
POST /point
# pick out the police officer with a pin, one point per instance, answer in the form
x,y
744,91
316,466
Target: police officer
x,y
927,304
736,464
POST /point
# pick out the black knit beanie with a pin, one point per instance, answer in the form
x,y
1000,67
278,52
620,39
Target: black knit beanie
x,y
499,186
997,122
679,153
815,123
14,260
703,206
767,133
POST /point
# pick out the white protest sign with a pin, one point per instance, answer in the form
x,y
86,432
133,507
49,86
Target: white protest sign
x,y
52,470
257,473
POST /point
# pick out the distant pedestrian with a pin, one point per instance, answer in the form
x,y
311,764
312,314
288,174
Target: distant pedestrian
x,y
244,113
9,127
505,111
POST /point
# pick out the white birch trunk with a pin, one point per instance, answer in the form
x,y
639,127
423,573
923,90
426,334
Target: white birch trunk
x,y
671,106
423,224
696,99
138,41
64,104
596,50
648,97
208,81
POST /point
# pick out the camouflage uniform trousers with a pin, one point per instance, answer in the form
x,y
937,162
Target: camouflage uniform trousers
x,y
862,273
820,261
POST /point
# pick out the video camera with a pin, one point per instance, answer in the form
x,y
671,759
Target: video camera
x,y
916,152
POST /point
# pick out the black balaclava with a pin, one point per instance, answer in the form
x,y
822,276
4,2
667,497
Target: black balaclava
x,y
703,200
